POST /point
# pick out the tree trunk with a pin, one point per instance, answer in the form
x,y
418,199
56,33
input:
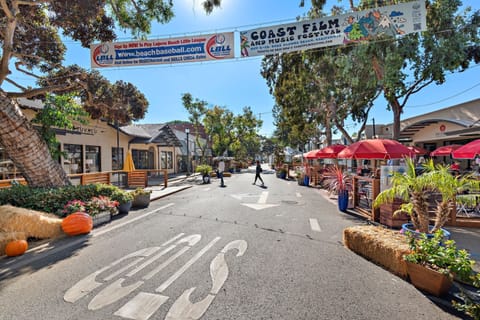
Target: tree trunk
x,y
26,148
397,112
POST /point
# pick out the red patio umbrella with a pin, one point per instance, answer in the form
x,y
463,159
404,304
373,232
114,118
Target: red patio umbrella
x,y
375,149
468,151
311,154
418,150
445,150
330,152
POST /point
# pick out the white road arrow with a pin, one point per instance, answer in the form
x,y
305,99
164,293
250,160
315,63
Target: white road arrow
x,y
261,203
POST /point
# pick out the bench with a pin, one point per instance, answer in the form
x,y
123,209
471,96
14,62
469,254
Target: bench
x,y
8,183
137,179
99,177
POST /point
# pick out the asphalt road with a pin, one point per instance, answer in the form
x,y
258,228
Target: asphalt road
x,y
239,252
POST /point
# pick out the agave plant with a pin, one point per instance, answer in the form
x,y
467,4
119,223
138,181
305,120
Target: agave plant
x,y
415,190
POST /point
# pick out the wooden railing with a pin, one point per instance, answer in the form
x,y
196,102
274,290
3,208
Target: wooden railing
x,y
134,179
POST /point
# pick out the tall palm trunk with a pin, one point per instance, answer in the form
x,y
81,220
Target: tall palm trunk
x,y
442,213
26,148
420,218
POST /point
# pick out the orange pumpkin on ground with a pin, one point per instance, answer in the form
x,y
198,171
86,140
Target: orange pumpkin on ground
x,y
16,248
77,223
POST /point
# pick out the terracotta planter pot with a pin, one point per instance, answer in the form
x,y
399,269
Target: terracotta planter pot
x,y
428,280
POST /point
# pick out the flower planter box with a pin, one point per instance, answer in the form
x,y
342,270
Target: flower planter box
x,y
428,280
101,218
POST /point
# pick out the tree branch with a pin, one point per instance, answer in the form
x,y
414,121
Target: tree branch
x,y
10,27
17,66
15,84
39,91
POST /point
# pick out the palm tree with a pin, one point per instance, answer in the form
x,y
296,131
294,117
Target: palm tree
x,y
414,190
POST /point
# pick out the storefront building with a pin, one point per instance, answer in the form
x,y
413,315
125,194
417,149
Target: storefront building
x,y
98,146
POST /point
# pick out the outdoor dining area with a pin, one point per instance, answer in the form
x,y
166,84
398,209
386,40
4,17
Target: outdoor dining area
x,y
370,165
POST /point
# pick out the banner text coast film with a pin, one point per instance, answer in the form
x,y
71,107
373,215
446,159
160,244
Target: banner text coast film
x,y
358,26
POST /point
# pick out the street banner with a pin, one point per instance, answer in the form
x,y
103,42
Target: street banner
x,y
395,20
164,51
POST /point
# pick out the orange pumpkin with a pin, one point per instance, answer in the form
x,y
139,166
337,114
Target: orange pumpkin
x,y
16,248
77,223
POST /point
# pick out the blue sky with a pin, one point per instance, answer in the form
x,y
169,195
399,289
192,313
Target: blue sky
x,y
237,83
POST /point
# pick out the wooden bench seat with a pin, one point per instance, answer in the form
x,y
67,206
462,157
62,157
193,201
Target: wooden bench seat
x,y
99,177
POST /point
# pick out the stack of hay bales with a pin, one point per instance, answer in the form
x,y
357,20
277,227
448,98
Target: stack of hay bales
x,y
21,224
382,246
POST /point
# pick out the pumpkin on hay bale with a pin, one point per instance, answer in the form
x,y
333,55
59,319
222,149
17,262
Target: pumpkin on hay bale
x,y
7,237
382,246
34,224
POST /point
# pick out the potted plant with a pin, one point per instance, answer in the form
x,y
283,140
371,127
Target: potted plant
x,y
204,170
101,208
124,199
340,183
141,198
433,263
282,173
414,190
300,177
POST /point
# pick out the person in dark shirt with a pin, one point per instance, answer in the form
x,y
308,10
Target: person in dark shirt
x,y
258,170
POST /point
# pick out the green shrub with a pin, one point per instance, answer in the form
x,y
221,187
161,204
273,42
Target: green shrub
x,y
52,200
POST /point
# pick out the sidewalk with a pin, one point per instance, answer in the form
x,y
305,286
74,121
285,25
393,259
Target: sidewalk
x,y
175,184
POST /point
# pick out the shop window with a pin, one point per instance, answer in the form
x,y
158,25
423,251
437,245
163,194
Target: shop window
x,y
143,159
92,159
73,162
166,160
117,158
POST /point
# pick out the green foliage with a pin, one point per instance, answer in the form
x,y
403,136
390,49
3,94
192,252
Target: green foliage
x,y
140,192
204,169
441,255
414,191
52,200
59,111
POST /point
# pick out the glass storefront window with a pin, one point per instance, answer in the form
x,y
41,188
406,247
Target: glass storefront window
x,y
117,164
143,159
73,162
166,160
92,159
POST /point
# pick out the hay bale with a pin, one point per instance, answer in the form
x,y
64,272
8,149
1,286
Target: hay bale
x,y
6,237
382,246
34,224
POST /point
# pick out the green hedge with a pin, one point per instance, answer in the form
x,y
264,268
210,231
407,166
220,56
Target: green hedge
x,y
52,200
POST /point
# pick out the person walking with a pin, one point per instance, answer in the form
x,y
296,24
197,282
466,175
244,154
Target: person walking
x,y
221,168
258,170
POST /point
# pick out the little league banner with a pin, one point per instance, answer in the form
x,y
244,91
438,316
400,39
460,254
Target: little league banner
x,y
167,51
357,26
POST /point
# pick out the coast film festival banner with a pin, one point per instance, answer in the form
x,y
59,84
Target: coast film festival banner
x,y
166,51
357,26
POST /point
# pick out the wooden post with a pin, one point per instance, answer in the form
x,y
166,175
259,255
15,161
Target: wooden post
x,y
165,178
375,192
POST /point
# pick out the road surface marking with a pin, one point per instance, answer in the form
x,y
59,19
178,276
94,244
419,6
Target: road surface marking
x,y
261,202
184,309
142,306
187,265
314,225
299,195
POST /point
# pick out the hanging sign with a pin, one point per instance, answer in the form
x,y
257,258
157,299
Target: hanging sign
x,y
164,51
357,26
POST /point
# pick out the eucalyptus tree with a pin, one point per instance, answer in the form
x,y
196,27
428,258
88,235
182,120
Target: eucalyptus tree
x,y
219,125
196,109
32,44
406,65
247,141
320,89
